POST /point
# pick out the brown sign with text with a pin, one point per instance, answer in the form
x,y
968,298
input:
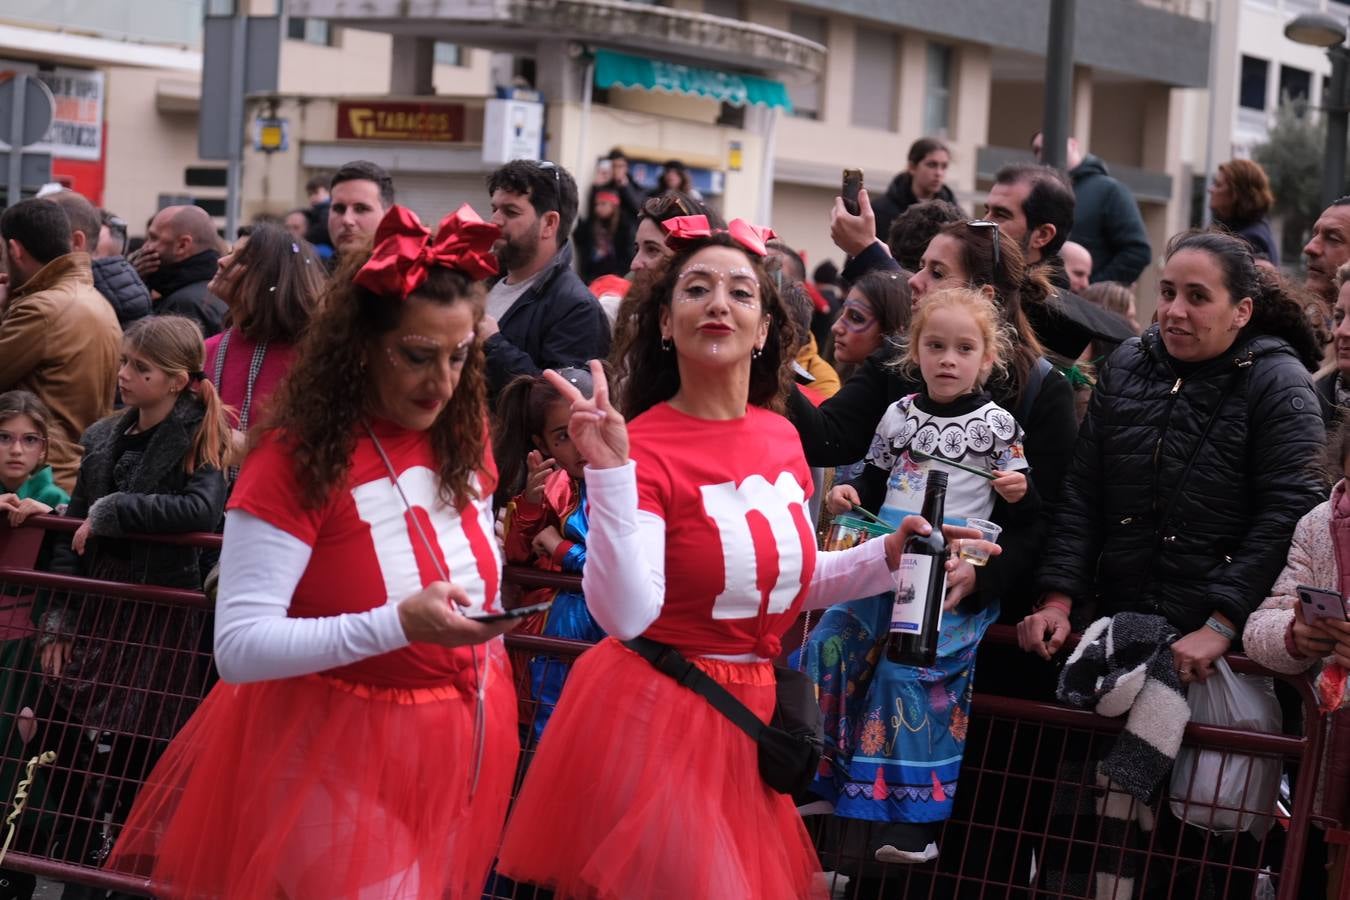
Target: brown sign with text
x,y
379,120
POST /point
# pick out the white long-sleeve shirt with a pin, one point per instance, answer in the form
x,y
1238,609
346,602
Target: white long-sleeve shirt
x,y
256,639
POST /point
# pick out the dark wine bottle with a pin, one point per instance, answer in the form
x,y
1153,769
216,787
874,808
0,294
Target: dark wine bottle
x,y
921,584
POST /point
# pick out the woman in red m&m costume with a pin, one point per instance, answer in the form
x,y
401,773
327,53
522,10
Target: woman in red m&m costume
x,y
699,539
362,742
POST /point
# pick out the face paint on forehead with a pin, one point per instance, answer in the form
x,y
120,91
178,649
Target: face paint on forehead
x,y
421,339
718,274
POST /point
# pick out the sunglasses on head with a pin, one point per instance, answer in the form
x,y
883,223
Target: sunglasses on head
x,y
992,228
548,166
669,205
553,167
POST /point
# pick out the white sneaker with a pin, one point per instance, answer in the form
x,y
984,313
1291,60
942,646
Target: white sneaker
x,y
834,883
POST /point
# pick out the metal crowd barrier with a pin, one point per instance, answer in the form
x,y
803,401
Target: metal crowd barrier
x,y
1024,824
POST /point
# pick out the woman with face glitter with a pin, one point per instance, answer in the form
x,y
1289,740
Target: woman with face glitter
x,y
363,739
699,542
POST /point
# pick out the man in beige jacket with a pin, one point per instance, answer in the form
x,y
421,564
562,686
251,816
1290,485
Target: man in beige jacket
x,y
59,338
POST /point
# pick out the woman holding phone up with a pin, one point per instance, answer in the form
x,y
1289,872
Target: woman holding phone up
x,y
362,741
640,787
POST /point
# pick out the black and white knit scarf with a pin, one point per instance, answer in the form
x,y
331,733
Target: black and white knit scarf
x,y
1124,666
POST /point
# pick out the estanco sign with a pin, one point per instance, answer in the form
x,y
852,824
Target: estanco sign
x,y
366,120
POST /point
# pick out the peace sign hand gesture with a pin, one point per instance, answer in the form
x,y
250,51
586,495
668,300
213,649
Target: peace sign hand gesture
x,y
596,428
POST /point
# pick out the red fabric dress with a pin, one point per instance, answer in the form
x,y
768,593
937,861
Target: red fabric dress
x,y
640,789
354,782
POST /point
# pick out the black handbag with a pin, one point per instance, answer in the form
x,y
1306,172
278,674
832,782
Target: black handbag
x,y
789,747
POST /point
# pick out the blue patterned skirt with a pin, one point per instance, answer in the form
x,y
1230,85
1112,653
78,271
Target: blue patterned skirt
x,y
894,735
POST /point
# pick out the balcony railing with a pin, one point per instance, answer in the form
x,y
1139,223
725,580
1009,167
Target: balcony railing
x,y
177,22
1193,9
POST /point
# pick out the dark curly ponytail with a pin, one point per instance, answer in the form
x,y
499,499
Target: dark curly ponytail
x,y
1278,309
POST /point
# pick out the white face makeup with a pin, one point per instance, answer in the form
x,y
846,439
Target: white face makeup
x,y
698,281
415,368
420,345
717,313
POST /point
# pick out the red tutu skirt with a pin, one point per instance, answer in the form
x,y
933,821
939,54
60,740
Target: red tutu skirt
x,y
640,789
313,787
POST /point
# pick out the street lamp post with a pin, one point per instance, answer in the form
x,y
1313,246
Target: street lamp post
x,y
1320,30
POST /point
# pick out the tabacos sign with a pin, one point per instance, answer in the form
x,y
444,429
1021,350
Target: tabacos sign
x,y
362,120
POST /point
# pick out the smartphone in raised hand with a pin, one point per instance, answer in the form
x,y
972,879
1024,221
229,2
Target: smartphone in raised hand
x,y
853,183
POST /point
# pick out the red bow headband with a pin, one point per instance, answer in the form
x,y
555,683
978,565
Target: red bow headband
x,y
404,250
682,231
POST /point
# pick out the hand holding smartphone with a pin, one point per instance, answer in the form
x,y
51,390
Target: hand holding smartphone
x,y
1319,603
852,185
519,612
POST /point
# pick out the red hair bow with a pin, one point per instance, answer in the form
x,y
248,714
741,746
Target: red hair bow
x,y
684,230
404,250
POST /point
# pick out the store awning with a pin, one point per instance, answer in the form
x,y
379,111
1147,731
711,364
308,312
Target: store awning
x,y
621,70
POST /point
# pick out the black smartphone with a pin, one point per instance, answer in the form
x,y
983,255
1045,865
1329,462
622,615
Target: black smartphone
x,y
1319,603
853,183
519,612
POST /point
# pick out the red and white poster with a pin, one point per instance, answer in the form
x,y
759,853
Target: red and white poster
x,y
77,125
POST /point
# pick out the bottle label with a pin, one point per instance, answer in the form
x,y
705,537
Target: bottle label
x,y
911,592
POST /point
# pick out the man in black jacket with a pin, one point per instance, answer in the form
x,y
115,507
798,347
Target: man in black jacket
x,y
178,259
114,277
540,315
1108,222
1035,207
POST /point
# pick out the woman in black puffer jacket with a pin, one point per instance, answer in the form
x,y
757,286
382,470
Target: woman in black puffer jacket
x,y
1194,463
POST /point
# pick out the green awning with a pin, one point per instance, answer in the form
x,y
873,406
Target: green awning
x,y
621,70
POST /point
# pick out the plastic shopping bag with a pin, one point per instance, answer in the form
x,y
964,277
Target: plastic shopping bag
x,y
1219,790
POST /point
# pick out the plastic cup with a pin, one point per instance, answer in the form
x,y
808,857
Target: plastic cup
x,y
972,551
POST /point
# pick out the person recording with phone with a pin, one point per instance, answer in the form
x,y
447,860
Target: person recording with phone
x,y
365,724
1303,624
1302,627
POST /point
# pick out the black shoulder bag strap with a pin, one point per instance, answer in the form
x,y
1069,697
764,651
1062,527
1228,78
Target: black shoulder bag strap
x,y
667,659
788,750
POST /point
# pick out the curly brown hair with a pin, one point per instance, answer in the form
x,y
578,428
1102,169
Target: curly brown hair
x,y
320,405
648,374
1252,197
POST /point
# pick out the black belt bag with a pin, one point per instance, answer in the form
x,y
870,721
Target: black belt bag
x,y
789,746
